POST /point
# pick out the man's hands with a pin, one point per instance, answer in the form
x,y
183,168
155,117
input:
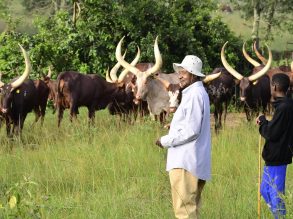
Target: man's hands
x,y
158,143
260,119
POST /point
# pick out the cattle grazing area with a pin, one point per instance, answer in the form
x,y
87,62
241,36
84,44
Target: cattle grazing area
x,y
114,170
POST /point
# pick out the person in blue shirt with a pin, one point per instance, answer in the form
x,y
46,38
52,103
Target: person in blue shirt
x,y
277,151
189,141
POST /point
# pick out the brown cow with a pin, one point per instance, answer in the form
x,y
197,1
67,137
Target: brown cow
x,y
41,101
75,89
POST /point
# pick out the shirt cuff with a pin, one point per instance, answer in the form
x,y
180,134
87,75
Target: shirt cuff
x,y
165,141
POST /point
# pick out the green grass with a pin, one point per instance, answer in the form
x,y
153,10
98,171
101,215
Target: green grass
x,y
114,170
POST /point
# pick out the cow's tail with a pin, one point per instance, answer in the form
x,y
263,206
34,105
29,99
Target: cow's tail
x,y
60,96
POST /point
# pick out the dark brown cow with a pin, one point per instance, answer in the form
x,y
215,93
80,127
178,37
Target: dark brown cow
x,y
254,90
75,89
18,98
220,93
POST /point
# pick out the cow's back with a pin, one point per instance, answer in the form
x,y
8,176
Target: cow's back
x,y
76,87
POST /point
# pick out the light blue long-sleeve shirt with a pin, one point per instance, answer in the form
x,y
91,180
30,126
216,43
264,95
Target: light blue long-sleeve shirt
x,y
189,137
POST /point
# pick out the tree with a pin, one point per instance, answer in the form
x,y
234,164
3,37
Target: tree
x,y
273,13
88,44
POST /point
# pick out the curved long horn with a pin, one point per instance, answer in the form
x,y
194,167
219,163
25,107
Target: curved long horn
x,y
108,78
248,58
49,75
133,63
158,57
164,82
120,59
292,66
113,72
263,59
211,77
227,66
26,72
264,69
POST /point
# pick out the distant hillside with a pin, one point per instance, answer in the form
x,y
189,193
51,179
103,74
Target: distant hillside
x,y
243,28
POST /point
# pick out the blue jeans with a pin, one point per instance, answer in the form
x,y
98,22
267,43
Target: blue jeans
x,y
273,187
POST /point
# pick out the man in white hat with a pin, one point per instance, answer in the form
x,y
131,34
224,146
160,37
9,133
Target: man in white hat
x,y
189,140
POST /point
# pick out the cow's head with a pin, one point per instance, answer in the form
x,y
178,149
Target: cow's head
x,y
246,82
11,88
173,92
125,77
52,85
141,76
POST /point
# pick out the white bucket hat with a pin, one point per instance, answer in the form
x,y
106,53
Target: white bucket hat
x,y
190,63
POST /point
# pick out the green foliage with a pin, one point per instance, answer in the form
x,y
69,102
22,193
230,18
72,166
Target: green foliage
x,y
11,59
20,201
183,26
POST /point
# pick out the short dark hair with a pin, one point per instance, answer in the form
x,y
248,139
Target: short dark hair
x,y
282,81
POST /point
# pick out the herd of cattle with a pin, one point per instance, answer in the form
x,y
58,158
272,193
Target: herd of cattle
x,y
140,89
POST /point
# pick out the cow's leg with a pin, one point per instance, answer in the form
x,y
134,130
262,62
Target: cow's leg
x,y
163,117
73,112
8,127
38,116
248,114
91,115
220,115
60,114
43,111
226,103
216,118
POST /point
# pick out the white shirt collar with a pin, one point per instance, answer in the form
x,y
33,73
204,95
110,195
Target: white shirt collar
x,y
195,84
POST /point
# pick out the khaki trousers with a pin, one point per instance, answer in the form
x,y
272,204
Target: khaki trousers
x,y
186,192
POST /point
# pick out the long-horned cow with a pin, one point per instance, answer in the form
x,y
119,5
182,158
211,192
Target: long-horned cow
x,y
18,98
146,87
220,93
127,108
257,66
254,90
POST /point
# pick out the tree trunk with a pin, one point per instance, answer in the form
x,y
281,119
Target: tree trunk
x,y
270,19
256,20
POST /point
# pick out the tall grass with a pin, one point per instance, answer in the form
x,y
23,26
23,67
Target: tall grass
x,y
114,170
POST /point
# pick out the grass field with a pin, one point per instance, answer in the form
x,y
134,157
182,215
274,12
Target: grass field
x,y
114,170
